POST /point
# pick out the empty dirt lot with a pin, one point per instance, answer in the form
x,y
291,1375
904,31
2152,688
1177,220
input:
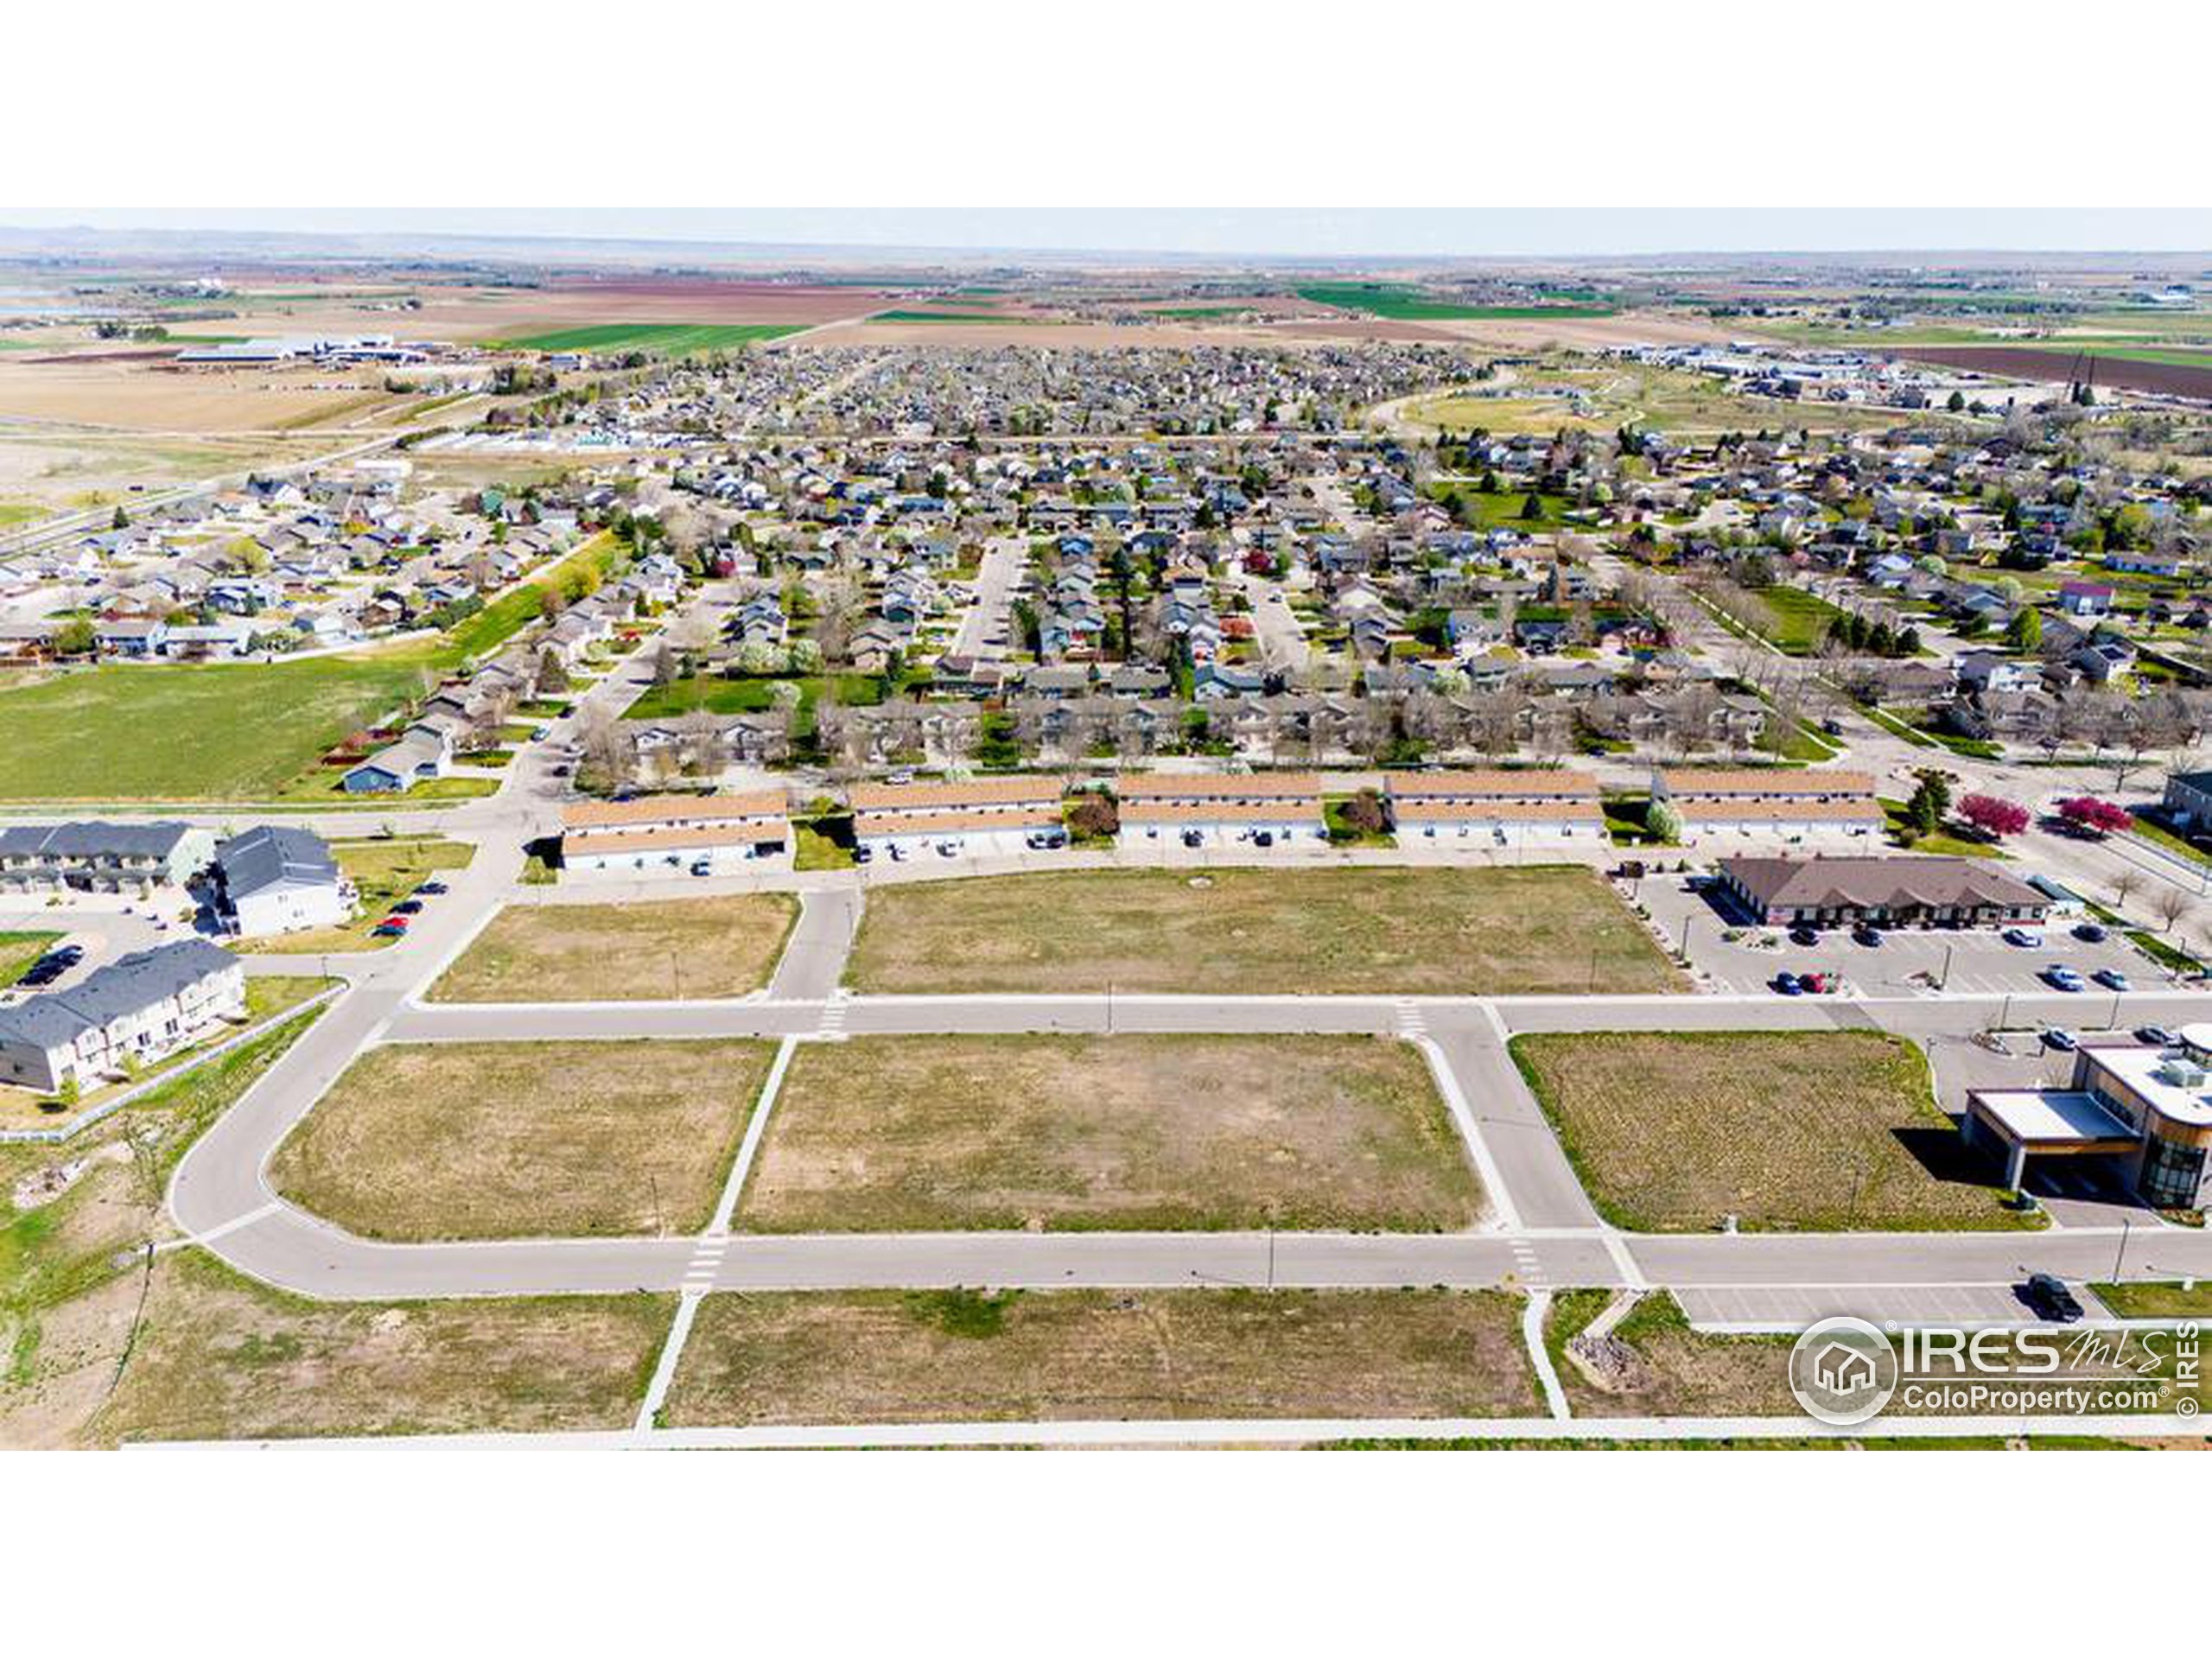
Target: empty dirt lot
x,y
651,950
1545,928
445,1141
1811,1131
955,1356
917,1133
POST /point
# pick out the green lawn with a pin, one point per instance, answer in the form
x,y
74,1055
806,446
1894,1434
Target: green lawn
x,y
509,615
1401,302
18,951
662,339
2156,1301
228,731
1801,620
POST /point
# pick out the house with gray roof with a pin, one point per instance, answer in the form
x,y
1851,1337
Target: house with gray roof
x,y
93,857
276,879
136,1010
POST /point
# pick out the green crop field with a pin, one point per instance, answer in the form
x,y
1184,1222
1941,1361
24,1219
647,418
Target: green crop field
x,y
219,732
662,339
1401,303
949,316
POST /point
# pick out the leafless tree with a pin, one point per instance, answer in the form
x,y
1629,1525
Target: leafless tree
x,y
2171,903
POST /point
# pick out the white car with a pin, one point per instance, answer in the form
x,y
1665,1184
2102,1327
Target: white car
x,y
2021,936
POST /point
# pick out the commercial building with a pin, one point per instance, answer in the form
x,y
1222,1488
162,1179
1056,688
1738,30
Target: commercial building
x,y
1502,808
703,835
136,1009
101,857
274,879
978,816
1258,809
2149,1108
1901,892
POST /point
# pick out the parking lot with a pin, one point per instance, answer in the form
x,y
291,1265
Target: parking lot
x,y
1906,962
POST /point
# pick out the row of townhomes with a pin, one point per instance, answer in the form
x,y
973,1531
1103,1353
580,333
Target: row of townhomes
x,y
266,880
132,1012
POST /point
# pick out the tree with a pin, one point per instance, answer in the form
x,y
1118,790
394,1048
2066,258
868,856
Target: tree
x,y
1664,823
2023,633
1930,803
2088,815
1994,818
552,677
2171,904
76,638
2123,886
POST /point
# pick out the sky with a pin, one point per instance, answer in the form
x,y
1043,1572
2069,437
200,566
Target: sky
x,y
1306,232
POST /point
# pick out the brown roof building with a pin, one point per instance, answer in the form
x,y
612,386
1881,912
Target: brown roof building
x,y
1900,891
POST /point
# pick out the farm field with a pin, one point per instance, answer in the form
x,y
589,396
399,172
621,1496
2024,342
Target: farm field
x,y
132,393
929,1134
441,1140
1787,1131
225,731
218,1357
1045,1356
588,953
1401,302
2184,374
660,339
1533,930
1553,394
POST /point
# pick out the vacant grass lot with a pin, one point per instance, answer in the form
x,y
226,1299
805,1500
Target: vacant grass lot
x,y
1670,1131
218,1356
384,870
518,1139
888,1357
594,953
1545,928
891,1133
2156,1301
222,731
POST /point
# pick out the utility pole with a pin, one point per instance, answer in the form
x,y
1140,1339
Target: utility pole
x,y
1946,984
2121,1255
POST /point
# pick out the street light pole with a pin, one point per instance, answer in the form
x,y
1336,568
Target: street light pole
x,y
2121,1255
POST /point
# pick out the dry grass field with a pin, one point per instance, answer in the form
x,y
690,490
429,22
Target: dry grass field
x,y
1814,1131
885,1356
590,953
895,1133
220,1357
153,396
1543,928
57,468
519,1139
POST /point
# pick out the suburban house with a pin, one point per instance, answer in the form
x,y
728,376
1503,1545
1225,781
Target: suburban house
x,y
1882,892
276,880
660,834
2150,1108
1202,809
1498,807
2084,598
399,767
1775,802
134,1010
101,857
980,816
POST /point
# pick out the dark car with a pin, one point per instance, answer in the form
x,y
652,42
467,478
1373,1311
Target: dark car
x,y
430,887
1193,838
861,855
1788,984
2157,1036
2091,932
1803,935
408,907
2048,1299
1869,936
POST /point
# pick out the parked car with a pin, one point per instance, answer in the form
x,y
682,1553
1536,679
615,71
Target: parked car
x,y
395,921
1263,838
408,907
861,855
1869,936
2157,1036
2023,938
2112,979
1787,984
391,929
2048,1299
2059,1037
1803,935
1193,838
431,889
2063,978
2090,932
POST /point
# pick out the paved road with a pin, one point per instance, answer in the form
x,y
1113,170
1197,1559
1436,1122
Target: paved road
x,y
1004,559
